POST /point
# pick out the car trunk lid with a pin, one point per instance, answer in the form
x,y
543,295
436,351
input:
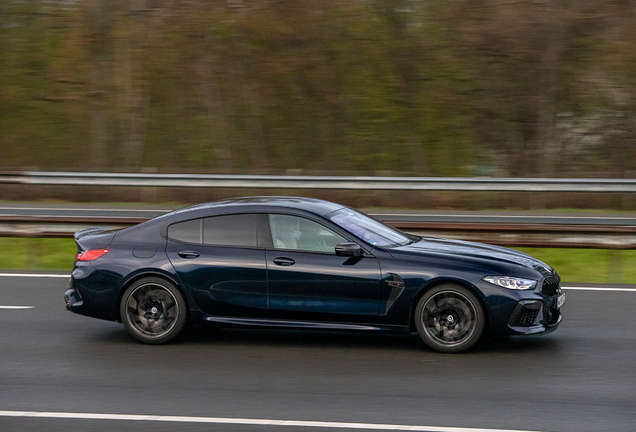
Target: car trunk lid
x,y
94,238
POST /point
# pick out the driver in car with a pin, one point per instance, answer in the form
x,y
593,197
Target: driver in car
x,y
310,239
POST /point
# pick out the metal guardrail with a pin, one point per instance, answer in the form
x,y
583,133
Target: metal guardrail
x,y
58,226
528,235
320,182
520,234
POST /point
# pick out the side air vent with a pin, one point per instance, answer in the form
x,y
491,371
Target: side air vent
x,y
397,286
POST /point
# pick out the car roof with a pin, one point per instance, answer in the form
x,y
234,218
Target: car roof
x,y
316,206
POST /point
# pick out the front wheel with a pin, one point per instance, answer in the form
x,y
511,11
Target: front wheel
x,y
153,310
449,318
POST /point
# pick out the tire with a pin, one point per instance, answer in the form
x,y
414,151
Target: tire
x,y
449,318
153,310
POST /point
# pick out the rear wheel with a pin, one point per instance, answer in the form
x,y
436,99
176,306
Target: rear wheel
x,y
153,310
449,318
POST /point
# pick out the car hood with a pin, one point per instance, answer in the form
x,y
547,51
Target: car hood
x,y
462,248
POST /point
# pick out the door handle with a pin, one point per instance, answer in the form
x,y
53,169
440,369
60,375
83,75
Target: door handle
x,y
284,261
189,254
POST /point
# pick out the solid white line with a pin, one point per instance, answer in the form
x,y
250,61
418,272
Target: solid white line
x,y
244,421
599,289
35,275
17,307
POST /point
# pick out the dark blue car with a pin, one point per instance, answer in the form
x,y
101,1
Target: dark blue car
x,y
306,263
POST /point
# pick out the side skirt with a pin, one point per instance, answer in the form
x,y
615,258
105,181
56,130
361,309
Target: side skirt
x,y
311,325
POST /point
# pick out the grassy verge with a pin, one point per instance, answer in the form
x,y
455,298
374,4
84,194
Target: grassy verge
x,y
37,254
574,265
589,265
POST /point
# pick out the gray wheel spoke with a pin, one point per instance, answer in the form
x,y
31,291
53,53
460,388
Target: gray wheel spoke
x,y
133,303
149,326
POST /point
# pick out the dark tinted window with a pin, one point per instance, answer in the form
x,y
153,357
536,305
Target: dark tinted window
x,y
188,231
231,230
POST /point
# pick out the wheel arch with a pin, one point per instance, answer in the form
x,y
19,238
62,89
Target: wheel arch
x,y
451,281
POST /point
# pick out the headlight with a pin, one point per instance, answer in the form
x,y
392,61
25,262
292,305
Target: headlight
x,y
511,282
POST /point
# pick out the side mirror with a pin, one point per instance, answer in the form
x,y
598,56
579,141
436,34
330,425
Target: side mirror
x,y
348,250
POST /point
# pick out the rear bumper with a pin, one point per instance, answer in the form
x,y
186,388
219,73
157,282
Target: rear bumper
x,y
73,299
92,293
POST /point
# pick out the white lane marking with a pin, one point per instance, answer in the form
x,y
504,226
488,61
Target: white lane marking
x,y
17,307
35,275
599,289
245,421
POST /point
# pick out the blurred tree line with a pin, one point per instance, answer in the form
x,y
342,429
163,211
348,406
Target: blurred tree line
x,y
415,87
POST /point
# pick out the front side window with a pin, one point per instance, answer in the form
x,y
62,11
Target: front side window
x,y
367,229
230,230
297,233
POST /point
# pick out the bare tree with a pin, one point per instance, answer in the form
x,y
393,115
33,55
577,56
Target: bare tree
x,y
98,31
131,48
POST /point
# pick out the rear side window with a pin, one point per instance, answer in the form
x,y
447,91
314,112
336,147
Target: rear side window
x,y
230,230
188,231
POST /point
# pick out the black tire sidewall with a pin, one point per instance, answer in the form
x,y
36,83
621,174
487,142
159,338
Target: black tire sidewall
x,y
181,306
479,318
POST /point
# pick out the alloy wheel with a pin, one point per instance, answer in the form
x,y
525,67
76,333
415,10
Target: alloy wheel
x,y
152,310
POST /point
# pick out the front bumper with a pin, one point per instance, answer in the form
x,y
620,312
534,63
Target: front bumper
x,y
536,316
540,328
512,312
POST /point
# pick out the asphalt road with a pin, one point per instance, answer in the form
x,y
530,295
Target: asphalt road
x,y
580,378
507,217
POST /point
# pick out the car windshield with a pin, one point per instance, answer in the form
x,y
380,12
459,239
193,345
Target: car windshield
x,y
367,229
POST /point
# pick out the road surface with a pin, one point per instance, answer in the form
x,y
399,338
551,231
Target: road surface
x,y
580,378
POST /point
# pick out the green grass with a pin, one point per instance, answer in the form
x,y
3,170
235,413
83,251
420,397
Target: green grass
x,y
574,265
37,254
589,265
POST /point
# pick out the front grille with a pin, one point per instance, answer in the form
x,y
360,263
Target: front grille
x,y
526,317
551,284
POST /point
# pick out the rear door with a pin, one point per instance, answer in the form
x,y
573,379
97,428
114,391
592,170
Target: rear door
x,y
218,260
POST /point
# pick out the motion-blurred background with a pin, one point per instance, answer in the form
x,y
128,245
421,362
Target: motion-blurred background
x,y
414,87
425,88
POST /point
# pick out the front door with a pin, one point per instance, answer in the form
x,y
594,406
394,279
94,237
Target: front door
x,y
308,281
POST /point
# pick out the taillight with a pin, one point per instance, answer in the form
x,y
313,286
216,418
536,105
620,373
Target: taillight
x,y
90,255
